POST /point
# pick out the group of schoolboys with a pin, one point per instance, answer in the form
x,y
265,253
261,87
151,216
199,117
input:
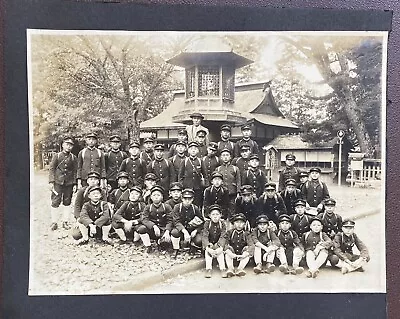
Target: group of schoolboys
x,y
210,202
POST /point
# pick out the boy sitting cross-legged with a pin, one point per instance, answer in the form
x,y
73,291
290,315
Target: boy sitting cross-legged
x,y
213,240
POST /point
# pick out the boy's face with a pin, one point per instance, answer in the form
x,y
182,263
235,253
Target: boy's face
x,y
149,183
289,162
245,153
187,201
270,193
156,197
316,226
201,139
303,179
67,147
196,121
134,196
134,151
158,154
290,188
330,208
284,225
246,197
123,181
254,163
93,181
193,150
225,157
180,149
239,224
246,133
95,195
176,194
215,216
225,134
115,145
348,231
262,227
91,141
216,181
300,209
148,145
314,175
181,137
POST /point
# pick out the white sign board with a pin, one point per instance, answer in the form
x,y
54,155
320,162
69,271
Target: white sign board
x,y
357,165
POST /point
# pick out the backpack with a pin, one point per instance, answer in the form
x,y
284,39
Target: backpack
x,y
308,234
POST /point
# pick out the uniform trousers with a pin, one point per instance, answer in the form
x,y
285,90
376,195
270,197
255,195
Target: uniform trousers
x,y
61,193
177,236
316,260
220,259
290,256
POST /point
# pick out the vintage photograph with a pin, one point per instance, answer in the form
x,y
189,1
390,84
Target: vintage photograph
x,y
206,162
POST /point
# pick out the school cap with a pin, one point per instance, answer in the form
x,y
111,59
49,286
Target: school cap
x,y
348,223
188,193
315,169
284,218
315,218
157,188
94,188
290,157
151,176
122,174
246,189
239,216
94,135
225,150
176,186
330,202
134,144
262,219
201,132
303,174
213,146
148,139
159,147
217,174
69,140
290,181
214,207
270,186
195,144
182,132
181,143
196,115
136,189
115,138
245,127
300,202
226,127
93,174
254,156
244,147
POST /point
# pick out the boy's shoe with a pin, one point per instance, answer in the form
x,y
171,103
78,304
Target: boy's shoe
x,y
65,225
106,241
309,274
298,270
230,273
122,242
175,253
149,249
257,269
53,226
361,269
208,273
284,268
269,267
82,241
344,270
223,273
315,274
240,272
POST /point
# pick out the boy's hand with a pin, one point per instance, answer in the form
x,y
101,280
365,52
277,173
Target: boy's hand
x,y
157,231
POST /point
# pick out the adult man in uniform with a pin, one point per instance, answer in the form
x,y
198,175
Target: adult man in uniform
x,y
113,160
288,172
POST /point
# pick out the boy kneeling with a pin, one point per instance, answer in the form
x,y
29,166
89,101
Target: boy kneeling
x,y
94,217
343,248
239,246
213,240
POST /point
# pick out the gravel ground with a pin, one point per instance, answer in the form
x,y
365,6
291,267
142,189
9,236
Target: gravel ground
x,y
58,266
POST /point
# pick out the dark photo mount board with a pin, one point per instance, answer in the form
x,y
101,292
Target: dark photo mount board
x,y
55,14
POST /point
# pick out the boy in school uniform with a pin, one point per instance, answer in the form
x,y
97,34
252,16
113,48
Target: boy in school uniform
x,y
94,218
254,176
332,222
210,162
314,191
300,221
225,141
91,159
216,194
265,243
162,168
288,172
316,245
150,180
201,140
182,139
290,195
191,173
179,157
147,155
292,250
246,140
121,194
239,247
213,240
113,159
175,193
246,203
62,182
242,162
134,165
127,219
187,223
156,221
271,204
344,243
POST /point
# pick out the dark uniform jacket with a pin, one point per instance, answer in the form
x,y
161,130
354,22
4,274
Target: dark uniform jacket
x,y
209,165
171,202
118,196
219,196
289,239
146,157
251,143
255,178
164,170
288,173
63,169
82,197
114,160
239,242
311,239
289,199
136,169
241,163
97,214
332,223
314,192
202,150
343,246
160,215
300,224
249,209
213,233
130,211
91,160
191,173
272,207
176,161
231,177
225,145
187,217
265,238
